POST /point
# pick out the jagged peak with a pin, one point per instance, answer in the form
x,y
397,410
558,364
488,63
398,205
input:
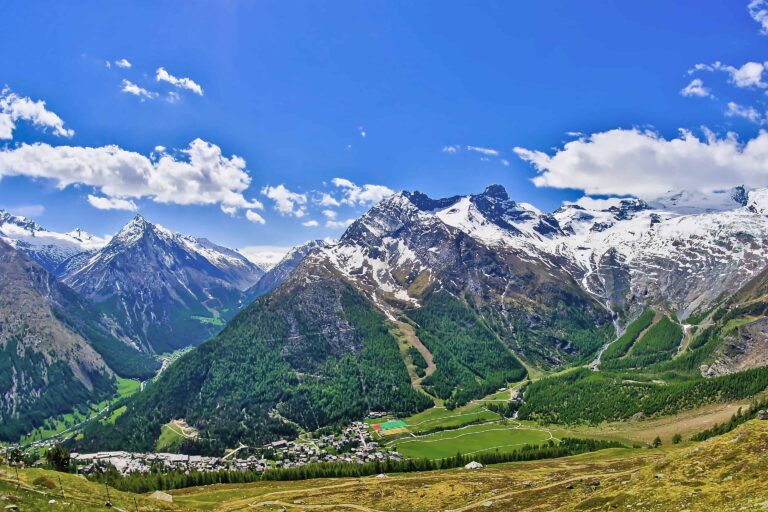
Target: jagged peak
x,y
19,220
133,230
496,191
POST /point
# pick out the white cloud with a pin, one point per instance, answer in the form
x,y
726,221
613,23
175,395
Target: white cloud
x,y
131,88
757,9
574,134
327,200
483,151
286,202
361,195
329,214
337,224
696,88
265,256
111,203
647,165
310,224
361,131
749,113
123,63
183,83
173,97
254,217
15,108
199,175
450,149
748,75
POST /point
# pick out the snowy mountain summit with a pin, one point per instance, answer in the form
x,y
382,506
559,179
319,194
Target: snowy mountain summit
x,y
682,250
49,248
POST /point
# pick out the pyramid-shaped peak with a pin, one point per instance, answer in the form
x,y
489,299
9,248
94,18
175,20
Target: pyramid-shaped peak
x,y
496,191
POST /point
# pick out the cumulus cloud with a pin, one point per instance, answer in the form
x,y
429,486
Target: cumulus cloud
x,y
310,224
131,88
355,195
183,83
758,9
286,202
450,149
111,203
15,108
198,174
749,113
327,200
483,151
329,214
254,217
749,74
647,165
696,88
123,63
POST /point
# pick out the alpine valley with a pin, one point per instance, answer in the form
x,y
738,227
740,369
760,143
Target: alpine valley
x,y
433,315
635,311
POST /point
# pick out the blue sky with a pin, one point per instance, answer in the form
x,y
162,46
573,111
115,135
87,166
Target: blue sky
x,y
387,94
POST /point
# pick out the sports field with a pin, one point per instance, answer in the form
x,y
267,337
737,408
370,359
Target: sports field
x,y
390,428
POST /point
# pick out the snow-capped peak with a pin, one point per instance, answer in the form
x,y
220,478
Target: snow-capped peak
x,y
49,248
687,202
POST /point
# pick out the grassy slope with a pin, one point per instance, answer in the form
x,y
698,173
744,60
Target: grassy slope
x,y
721,474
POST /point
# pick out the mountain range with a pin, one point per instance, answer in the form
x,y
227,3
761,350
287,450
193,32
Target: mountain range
x,y
79,310
488,290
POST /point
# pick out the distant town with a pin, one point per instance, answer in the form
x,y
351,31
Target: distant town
x,y
353,445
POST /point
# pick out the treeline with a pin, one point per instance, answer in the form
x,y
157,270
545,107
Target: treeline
x,y
621,346
737,419
471,361
659,343
584,396
143,482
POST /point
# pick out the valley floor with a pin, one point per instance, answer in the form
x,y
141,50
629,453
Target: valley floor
x,y
722,474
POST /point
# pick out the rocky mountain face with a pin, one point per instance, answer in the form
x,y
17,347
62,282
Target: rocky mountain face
x,y
487,251
280,272
49,248
166,290
54,351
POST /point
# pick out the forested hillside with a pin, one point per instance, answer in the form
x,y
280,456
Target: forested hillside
x,y
309,359
54,353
